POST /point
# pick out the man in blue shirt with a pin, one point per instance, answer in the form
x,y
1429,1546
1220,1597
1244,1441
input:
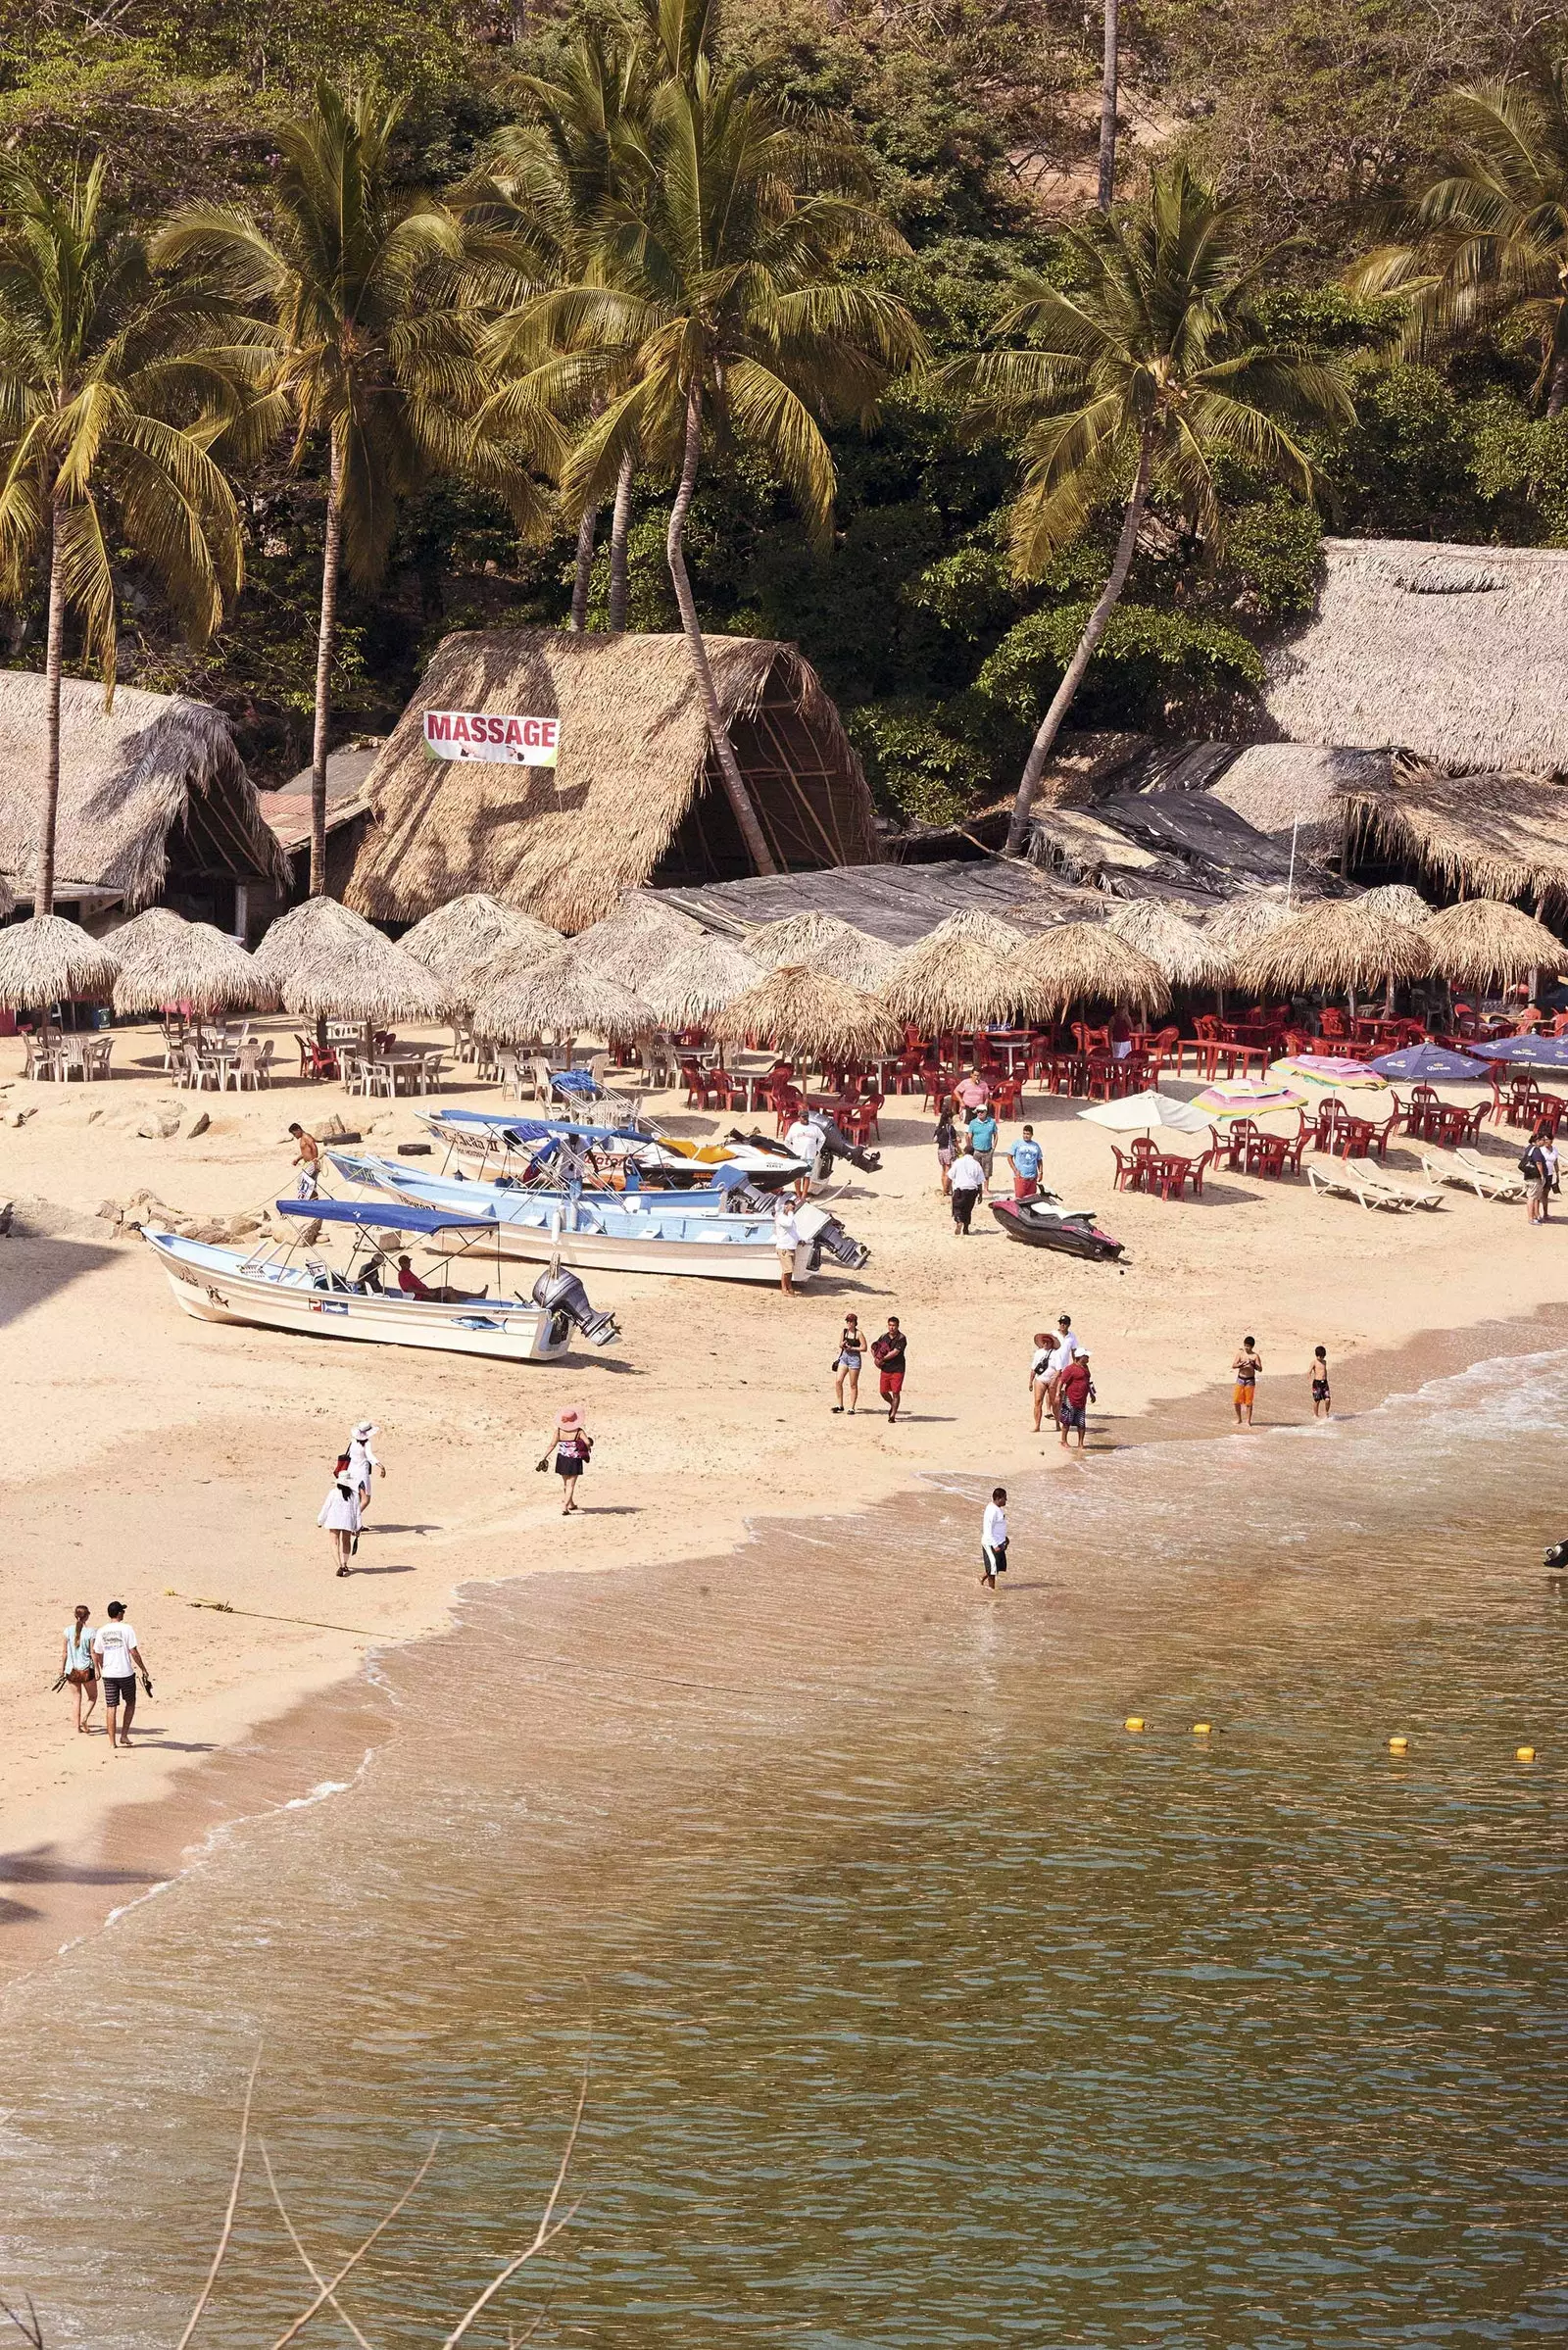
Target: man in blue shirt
x,y
1027,1159
983,1137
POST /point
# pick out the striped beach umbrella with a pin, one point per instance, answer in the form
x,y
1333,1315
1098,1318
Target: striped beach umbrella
x,y
1246,1098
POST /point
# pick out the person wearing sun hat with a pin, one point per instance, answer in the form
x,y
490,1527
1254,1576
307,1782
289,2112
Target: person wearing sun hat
x,y
363,1462
574,1449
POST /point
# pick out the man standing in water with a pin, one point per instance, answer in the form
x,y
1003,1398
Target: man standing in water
x,y
993,1538
1248,1366
119,1660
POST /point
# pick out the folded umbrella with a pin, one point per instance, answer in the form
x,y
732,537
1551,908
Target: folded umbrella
x,y
1326,1073
1139,1113
1246,1098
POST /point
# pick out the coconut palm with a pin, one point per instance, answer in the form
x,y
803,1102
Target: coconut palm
x,y
1488,241
363,325
1152,367
717,295
106,395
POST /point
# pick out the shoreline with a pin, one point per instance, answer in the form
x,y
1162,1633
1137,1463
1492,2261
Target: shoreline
x,y
67,1870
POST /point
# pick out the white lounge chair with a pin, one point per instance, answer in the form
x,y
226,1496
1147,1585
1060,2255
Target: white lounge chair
x,y
1378,1179
1467,1170
1340,1184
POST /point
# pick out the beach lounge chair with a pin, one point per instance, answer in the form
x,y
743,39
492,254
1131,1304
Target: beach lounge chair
x,y
1338,1181
1467,1170
1379,1179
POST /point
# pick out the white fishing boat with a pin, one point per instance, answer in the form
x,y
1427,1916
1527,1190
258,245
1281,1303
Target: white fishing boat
x,y
639,1232
281,1285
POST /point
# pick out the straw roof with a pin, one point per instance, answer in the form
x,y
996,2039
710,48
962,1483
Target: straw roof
x,y
810,1014
50,961
1085,963
827,943
1187,957
326,961
701,980
1495,836
562,992
468,936
130,778
8,898
957,977
165,959
1481,943
1454,651
1398,901
635,764
1300,788
1248,917
1332,947
634,941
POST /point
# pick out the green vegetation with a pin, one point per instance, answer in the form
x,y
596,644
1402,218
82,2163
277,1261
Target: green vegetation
x,y
956,154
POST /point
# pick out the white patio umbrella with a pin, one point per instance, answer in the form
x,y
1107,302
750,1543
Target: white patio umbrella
x,y
1140,1114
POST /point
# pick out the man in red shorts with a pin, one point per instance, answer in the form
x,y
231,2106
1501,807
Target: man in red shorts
x,y
888,1355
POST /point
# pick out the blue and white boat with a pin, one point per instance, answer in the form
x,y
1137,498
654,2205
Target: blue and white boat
x,y
497,1142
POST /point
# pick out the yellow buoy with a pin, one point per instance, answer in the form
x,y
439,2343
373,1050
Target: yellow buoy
x,y
1398,1746
1133,1722
1201,1729
1524,1754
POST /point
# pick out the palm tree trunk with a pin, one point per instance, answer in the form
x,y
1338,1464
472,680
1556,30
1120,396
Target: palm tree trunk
x,y
1557,394
325,639
43,896
620,523
585,569
1107,109
740,799
1061,702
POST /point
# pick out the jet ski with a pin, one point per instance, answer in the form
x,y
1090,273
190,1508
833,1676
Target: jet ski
x,y
1044,1223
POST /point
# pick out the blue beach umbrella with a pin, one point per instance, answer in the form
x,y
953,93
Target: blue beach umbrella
x,y
1538,1052
1429,1065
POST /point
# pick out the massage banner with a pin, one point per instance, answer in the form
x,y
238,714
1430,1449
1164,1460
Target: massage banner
x,y
506,741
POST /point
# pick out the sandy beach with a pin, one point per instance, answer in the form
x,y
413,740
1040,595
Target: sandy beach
x,y
162,1461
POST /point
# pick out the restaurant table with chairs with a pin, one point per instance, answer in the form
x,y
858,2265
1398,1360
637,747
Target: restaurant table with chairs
x,y
60,1059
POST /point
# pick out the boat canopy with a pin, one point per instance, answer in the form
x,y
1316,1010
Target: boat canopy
x,y
385,1216
536,1130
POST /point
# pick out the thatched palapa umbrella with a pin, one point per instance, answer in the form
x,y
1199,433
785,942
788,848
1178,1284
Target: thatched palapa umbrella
x,y
957,976
700,981
561,993
632,942
464,938
1085,963
1484,943
825,943
328,962
810,1016
1400,902
49,960
1338,947
165,960
1248,917
1187,957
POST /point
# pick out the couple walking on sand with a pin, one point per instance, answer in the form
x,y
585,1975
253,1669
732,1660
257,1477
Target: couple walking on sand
x,y
108,1659
343,1511
1059,1376
889,1352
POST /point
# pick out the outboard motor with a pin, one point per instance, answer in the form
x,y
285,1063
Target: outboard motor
x,y
828,1236
562,1293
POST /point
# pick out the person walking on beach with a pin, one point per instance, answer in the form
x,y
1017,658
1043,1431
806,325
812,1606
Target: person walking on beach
x,y
573,1449
993,1538
786,1240
1074,1394
78,1666
340,1513
1248,1367
1321,1399
965,1182
1026,1158
1040,1372
118,1659
308,1158
364,1463
947,1141
888,1355
983,1137
1064,1347
1538,1167
846,1363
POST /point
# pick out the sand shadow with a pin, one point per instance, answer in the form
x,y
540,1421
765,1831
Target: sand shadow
x,y
38,1866
34,1269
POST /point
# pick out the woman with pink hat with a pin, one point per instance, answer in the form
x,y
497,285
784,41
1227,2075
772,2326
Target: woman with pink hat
x,y
573,1449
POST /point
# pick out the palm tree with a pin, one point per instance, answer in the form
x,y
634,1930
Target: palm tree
x,y
1488,241
1110,74
717,298
1153,367
106,397
363,315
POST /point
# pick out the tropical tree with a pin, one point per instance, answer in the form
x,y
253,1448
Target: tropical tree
x,y
108,401
1152,369
1487,242
362,308
719,303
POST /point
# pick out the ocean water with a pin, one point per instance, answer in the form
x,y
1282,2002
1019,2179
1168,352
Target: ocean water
x,y
918,2002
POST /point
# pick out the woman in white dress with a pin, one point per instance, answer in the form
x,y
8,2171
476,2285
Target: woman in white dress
x,y
340,1512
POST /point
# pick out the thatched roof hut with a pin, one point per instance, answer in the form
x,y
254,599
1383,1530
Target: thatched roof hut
x,y
466,938
1085,963
1187,957
1286,789
561,993
809,1016
636,796
165,959
959,977
1481,943
50,961
1333,949
326,963
700,981
1496,836
1454,652
894,904
152,795
636,940
826,944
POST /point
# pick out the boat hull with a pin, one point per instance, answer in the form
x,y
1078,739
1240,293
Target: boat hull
x,y
210,1286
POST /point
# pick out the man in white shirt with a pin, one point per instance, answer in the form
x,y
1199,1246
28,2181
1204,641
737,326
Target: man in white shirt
x,y
119,1660
965,1182
804,1141
786,1240
993,1538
